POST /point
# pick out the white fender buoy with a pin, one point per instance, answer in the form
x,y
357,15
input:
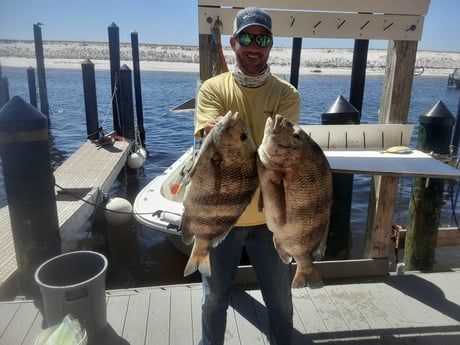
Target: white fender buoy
x,y
142,152
135,160
118,211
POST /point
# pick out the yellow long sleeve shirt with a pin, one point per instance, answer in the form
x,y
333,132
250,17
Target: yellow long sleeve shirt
x,y
221,94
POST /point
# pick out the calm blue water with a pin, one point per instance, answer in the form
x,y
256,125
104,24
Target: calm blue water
x,y
169,134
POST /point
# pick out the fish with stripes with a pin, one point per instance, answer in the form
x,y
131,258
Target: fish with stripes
x,y
222,183
296,187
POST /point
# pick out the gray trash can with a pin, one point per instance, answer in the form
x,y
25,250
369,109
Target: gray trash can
x,y
74,283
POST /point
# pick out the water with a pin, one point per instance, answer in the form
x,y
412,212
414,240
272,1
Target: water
x,y
148,258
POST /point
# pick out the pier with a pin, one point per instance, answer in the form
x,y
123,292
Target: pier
x,y
81,178
415,308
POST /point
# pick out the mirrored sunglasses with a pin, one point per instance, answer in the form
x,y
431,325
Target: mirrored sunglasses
x,y
246,39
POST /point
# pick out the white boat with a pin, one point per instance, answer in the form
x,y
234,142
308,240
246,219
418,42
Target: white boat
x,y
158,205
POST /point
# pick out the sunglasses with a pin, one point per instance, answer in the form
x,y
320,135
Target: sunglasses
x,y
246,39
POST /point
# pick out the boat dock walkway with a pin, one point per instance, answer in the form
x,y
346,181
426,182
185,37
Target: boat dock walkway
x,y
415,308
88,171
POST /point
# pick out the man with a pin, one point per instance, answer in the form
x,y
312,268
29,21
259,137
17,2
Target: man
x,y
256,94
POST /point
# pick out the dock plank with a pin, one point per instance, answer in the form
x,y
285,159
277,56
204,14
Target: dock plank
x,y
181,315
249,330
20,324
397,310
159,320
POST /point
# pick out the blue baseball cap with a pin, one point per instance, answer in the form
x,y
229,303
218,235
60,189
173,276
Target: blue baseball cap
x,y
251,16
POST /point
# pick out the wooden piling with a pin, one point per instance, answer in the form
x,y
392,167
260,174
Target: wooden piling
x,y
208,57
394,108
4,89
32,86
29,185
358,73
456,135
137,87
40,58
126,98
89,92
425,206
114,53
295,60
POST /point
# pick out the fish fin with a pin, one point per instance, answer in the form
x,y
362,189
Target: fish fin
x,y
275,200
198,260
319,252
285,257
186,235
216,164
311,279
219,239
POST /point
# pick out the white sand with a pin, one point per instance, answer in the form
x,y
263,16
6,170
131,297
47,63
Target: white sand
x,y
185,58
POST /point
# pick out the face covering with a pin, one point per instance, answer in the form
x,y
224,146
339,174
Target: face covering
x,y
252,82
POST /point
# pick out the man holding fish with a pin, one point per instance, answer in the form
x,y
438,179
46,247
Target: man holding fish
x,y
248,95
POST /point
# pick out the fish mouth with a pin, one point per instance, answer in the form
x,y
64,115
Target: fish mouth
x,y
274,125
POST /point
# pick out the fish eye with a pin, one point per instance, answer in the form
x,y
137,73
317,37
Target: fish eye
x,y
296,136
243,137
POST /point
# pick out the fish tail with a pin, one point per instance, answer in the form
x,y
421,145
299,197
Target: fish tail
x,y
306,275
312,280
198,260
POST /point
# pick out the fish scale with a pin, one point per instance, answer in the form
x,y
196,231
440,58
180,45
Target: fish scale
x,y
296,184
222,184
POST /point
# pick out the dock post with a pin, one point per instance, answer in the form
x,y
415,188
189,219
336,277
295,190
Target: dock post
x,y
358,73
89,91
456,135
127,110
40,58
29,186
4,89
32,86
137,87
114,53
425,206
295,60
339,236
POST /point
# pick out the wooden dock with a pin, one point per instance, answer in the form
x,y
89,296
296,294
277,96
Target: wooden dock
x,y
415,308
89,171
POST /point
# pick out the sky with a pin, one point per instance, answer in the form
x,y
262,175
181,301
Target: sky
x,y
176,22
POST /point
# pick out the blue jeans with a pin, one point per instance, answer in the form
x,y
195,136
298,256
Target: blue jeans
x,y
272,274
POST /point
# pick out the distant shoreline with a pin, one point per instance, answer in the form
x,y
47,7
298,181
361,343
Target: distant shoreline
x,y
153,66
176,58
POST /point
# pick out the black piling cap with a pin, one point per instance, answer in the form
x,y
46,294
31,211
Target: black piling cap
x,y
437,115
341,112
18,115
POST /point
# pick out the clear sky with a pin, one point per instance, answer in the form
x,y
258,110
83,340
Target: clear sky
x,y
175,22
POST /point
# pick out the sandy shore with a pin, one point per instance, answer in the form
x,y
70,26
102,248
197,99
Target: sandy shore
x,y
59,54
156,66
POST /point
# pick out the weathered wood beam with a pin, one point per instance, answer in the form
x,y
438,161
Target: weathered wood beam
x,y
394,108
414,7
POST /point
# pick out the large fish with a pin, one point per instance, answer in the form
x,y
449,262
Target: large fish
x,y
222,184
296,185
